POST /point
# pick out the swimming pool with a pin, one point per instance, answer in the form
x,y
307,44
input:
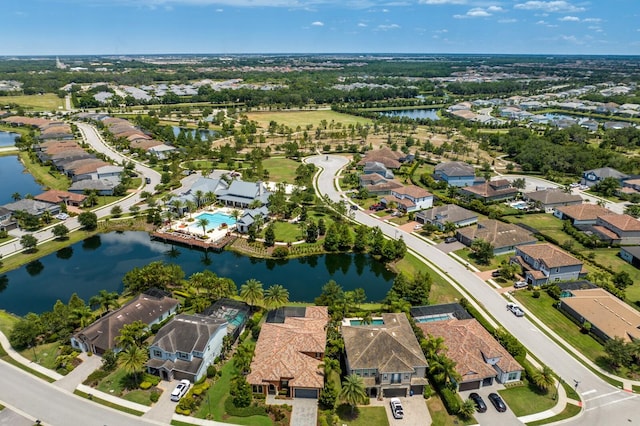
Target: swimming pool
x,y
520,205
433,318
216,219
375,321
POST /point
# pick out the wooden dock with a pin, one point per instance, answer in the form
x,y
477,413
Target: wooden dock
x,y
193,241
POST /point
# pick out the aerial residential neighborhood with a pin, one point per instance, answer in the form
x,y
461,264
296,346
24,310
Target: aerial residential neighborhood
x,y
444,234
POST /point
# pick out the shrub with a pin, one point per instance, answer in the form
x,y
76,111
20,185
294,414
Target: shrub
x,y
536,294
427,392
155,396
252,410
95,377
451,400
145,385
211,371
280,252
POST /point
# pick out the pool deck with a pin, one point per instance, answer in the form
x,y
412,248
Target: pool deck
x,y
193,240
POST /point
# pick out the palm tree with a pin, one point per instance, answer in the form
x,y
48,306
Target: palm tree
x,y
133,360
367,318
203,222
168,214
191,206
199,197
467,409
81,316
251,292
330,365
276,296
179,206
46,216
235,213
544,378
16,196
210,197
353,391
433,346
443,369
105,300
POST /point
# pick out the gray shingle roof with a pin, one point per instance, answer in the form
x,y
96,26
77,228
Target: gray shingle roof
x,y
187,333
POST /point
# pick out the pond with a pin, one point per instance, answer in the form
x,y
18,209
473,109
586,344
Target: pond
x,y
14,178
8,138
415,114
100,262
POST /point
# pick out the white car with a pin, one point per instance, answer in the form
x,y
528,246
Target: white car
x,y
180,390
62,216
520,284
396,408
517,311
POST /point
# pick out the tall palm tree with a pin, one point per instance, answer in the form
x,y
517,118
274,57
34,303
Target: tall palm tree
x,y
210,197
353,391
191,206
203,222
235,213
81,316
443,369
433,346
543,378
46,216
251,292
16,196
133,360
105,300
179,206
276,296
199,197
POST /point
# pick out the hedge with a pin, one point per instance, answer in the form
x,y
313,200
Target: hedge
x,y
450,399
253,410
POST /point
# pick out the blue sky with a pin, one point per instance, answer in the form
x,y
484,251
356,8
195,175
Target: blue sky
x,y
63,27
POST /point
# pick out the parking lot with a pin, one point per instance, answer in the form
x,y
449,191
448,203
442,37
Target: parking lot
x,y
415,410
492,416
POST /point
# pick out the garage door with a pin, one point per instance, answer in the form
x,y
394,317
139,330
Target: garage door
x,y
469,385
394,392
306,393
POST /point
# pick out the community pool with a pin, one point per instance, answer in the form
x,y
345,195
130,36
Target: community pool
x,y
216,219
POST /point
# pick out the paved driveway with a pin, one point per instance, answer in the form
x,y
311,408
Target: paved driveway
x,y
492,416
415,410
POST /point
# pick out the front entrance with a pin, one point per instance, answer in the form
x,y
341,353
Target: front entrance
x,y
487,382
272,389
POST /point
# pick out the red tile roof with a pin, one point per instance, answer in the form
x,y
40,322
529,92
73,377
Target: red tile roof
x,y
552,256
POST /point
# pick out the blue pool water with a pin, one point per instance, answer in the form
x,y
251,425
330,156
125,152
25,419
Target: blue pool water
x,y
373,322
433,318
216,219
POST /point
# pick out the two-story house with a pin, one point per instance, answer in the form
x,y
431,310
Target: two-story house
x,y
386,355
495,190
618,229
186,346
594,176
544,263
453,213
409,198
455,173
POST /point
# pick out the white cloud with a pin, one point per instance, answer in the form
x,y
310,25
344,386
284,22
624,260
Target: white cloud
x,y
443,2
318,24
388,27
476,12
592,20
507,21
549,6
569,19
362,25
495,9
219,10
385,10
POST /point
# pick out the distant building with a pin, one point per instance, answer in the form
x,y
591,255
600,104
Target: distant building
x,y
440,215
455,173
550,199
594,176
496,190
504,237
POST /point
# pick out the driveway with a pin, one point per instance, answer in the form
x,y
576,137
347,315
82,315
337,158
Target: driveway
x,y
415,410
163,410
492,416
304,410
449,247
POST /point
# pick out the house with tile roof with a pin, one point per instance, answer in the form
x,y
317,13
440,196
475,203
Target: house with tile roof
x,y
151,308
390,159
618,229
378,168
33,207
480,358
7,222
56,197
594,176
288,355
581,215
495,190
387,356
440,215
409,198
545,263
185,346
504,237
455,173
550,199
609,316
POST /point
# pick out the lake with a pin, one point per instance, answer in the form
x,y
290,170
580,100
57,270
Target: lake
x,y
14,178
100,263
431,114
8,138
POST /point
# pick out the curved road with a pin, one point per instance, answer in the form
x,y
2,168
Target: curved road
x,y
603,403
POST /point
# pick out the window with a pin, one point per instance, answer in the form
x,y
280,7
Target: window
x,y
157,353
406,376
183,355
384,377
257,389
512,376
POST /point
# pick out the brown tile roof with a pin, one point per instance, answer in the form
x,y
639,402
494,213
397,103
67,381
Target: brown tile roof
x,y
499,234
489,189
605,232
52,147
552,256
385,156
55,196
391,347
584,211
469,343
413,191
606,312
623,222
383,186
286,350
372,177
145,144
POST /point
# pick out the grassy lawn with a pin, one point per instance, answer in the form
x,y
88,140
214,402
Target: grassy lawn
x,y
286,232
108,403
558,322
114,384
46,102
294,119
45,354
495,263
569,411
525,400
20,130
363,416
44,175
218,393
281,169
441,290
439,415
7,321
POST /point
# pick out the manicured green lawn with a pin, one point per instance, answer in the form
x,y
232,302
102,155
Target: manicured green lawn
x,y
558,322
440,417
569,411
525,400
286,232
294,119
114,384
44,175
363,416
281,169
46,354
441,290
7,321
495,262
46,102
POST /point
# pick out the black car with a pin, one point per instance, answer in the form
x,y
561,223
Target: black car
x,y
497,402
481,407
450,240
495,274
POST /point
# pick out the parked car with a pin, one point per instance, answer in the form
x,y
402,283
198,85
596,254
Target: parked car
x,y
147,180
62,216
517,311
354,207
495,273
450,240
520,284
497,402
481,407
180,390
396,408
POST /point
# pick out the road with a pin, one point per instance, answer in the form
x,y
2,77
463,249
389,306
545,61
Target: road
x,y
603,403
53,406
93,138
